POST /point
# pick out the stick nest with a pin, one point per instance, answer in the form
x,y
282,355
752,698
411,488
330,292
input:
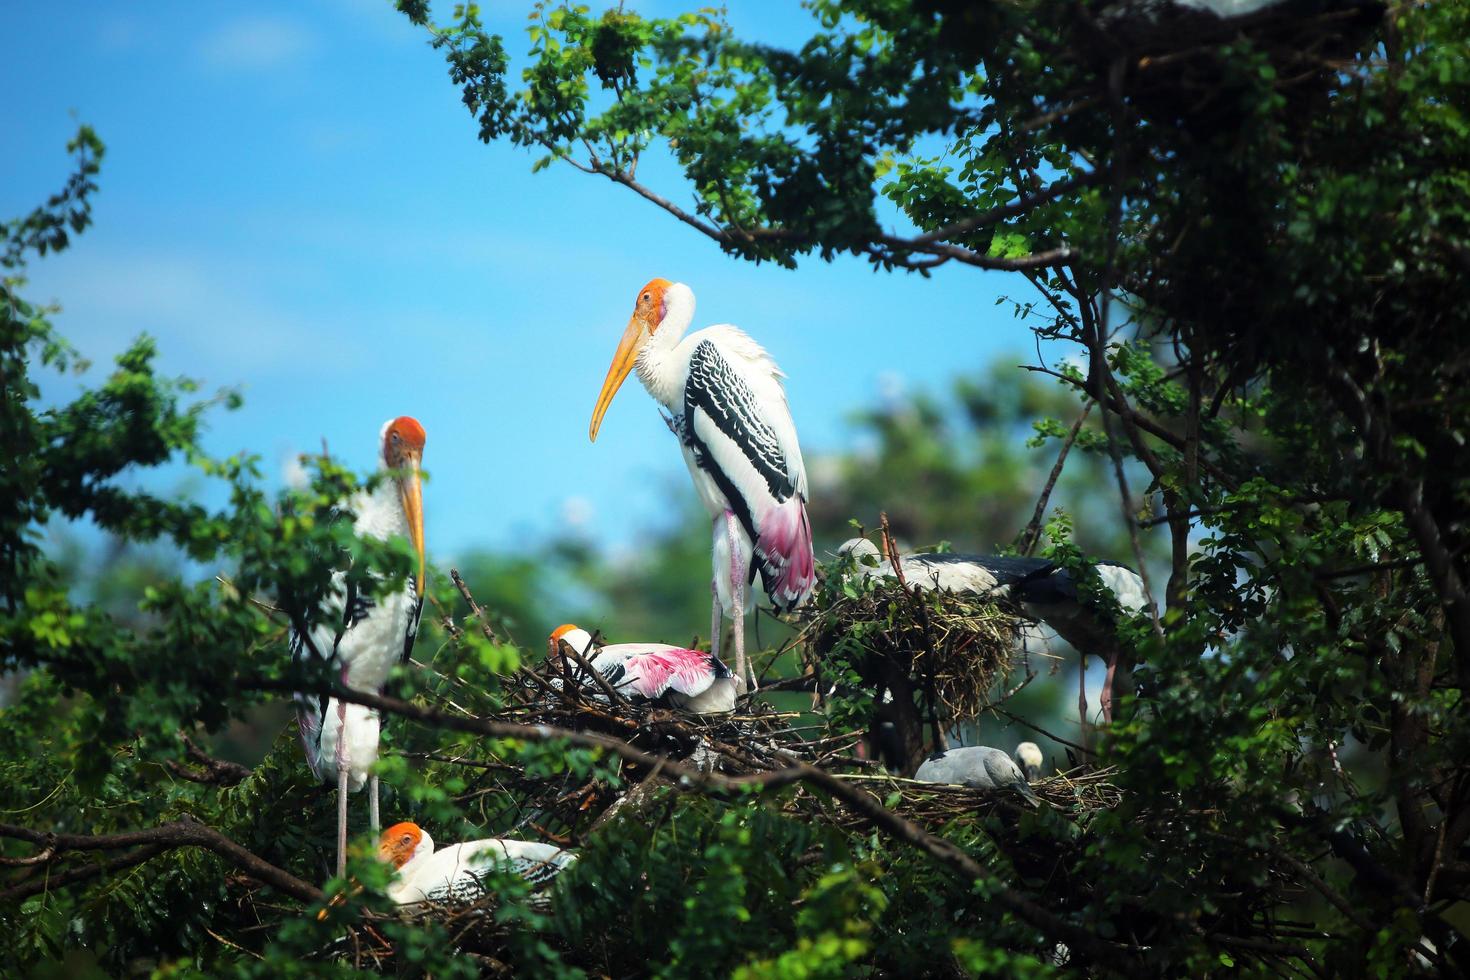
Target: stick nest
x,y
933,806
964,640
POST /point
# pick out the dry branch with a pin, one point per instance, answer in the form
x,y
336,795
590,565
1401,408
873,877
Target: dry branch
x,y
184,832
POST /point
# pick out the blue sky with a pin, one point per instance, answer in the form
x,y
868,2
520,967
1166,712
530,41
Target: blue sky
x,y
294,203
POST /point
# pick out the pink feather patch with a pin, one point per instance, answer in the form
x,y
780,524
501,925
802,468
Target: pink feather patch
x,y
689,672
788,569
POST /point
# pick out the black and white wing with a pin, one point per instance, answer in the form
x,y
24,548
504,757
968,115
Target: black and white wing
x,y
738,429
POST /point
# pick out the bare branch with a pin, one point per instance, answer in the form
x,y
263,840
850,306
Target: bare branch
x,y
1027,542
184,832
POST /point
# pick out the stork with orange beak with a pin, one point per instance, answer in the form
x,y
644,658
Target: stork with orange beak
x,y
456,872
362,637
727,405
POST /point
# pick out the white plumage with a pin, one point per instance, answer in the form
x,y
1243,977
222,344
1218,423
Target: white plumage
x,y
1029,758
456,872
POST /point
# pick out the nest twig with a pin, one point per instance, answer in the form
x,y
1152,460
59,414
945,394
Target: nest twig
x,y
970,639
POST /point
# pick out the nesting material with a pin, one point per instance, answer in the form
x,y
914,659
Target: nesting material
x,y
934,806
964,640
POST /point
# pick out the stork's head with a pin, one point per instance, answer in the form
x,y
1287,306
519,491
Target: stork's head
x,y
1028,754
403,452
573,636
660,304
403,842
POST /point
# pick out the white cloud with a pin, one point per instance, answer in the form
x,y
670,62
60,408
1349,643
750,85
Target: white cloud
x,y
254,44
576,512
202,312
891,386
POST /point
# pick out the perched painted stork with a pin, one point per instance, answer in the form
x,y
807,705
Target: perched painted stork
x,y
363,637
976,766
456,872
727,405
1028,757
1046,591
689,679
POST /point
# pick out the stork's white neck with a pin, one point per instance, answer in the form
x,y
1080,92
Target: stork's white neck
x,y
380,513
420,853
659,369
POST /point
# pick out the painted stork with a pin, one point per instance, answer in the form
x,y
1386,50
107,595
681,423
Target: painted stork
x,y
456,872
363,637
1046,591
1028,757
976,766
689,679
727,405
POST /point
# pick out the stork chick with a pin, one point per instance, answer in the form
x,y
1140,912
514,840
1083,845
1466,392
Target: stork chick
x,y
979,767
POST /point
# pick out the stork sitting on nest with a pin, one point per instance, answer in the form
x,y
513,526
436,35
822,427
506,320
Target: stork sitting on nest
x,y
1046,591
456,872
979,767
692,680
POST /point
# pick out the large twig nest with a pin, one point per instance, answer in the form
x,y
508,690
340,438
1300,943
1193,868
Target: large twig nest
x,y
963,641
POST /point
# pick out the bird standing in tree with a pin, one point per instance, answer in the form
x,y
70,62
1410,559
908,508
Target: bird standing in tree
x,y
363,637
727,405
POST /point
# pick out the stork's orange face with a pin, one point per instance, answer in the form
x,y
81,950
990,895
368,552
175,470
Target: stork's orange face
x,y
648,313
398,843
569,633
403,450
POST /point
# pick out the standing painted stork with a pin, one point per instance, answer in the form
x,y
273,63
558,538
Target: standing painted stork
x,y
690,679
455,872
363,637
728,407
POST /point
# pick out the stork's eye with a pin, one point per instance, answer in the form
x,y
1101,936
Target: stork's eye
x,y
647,297
406,839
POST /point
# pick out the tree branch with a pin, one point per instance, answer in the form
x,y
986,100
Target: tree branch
x,y
1032,533
1047,922
184,832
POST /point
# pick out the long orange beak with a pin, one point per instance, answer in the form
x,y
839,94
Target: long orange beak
x,y
622,363
411,489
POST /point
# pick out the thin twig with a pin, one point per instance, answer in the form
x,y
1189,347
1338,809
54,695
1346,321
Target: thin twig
x,y
1032,533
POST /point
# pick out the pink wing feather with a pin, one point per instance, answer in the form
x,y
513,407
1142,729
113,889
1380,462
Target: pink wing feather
x,y
788,570
652,674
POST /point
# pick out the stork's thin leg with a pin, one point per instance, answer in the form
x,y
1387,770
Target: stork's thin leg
x,y
341,758
737,592
1082,696
342,822
1105,697
716,619
373,802
716,616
